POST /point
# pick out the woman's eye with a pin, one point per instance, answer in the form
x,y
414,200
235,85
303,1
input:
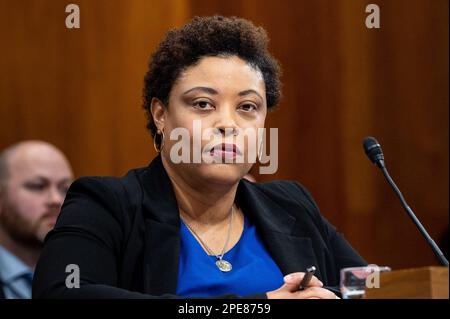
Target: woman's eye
x,y
203,105
248,107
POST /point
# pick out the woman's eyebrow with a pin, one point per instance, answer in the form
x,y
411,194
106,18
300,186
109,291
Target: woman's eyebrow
x,y
247,92
202,89
214,92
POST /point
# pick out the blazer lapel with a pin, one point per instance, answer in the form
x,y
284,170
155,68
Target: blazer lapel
x,y
292,252
161,258
162,226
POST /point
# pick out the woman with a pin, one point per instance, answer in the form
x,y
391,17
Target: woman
x,y
196,229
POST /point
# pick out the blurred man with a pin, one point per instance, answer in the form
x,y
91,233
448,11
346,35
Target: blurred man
x,y
34,178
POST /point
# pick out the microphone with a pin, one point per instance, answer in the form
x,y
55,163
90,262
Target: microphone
x,y
373,151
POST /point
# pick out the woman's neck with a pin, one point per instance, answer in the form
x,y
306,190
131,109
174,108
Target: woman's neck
x,y
203,204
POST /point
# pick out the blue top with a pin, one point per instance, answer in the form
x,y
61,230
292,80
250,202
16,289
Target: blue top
x,y
15,276
254,270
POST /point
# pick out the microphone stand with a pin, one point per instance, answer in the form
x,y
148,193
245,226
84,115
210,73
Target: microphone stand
x,y
437,251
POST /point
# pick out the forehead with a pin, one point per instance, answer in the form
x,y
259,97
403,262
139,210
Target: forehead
x,y
38,161
226,73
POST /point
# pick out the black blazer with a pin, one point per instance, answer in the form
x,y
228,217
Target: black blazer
x,y
124,234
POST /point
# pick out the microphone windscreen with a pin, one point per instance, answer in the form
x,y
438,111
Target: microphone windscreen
x,y
373,149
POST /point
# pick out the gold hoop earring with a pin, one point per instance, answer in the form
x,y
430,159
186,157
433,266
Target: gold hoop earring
x,y
161,143
260,151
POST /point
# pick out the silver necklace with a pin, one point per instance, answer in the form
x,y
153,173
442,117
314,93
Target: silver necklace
x,y
222,264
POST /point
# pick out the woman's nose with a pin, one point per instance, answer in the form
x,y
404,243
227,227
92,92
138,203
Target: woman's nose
x,y
226,123
227,131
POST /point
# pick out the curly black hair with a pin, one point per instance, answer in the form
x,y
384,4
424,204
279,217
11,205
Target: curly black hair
x,y
209,36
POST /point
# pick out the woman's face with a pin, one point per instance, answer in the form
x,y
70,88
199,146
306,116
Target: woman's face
x,y
219,93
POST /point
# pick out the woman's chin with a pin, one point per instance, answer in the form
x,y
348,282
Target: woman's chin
x,y
222,174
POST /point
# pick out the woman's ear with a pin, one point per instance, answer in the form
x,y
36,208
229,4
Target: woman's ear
x,y
159,112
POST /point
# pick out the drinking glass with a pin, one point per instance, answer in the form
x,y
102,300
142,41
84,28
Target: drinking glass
x,y
355,280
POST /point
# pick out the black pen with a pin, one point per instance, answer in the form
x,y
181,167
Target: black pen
x,y
307,278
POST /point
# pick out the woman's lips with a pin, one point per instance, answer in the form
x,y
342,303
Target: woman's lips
x,y
225,150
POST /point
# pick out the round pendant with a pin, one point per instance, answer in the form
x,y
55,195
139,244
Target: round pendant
x,y
223,265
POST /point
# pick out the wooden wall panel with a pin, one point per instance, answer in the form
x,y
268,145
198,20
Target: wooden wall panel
x,y
81,88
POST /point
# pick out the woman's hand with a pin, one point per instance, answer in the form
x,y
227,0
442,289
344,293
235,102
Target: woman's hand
x,y
290,289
